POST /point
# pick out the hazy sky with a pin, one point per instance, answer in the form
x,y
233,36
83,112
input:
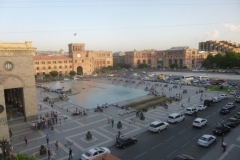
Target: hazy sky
x,y
119,25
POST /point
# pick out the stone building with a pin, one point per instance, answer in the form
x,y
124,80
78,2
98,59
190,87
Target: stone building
x,y
17,85
219,46
182,56
80,60
118,57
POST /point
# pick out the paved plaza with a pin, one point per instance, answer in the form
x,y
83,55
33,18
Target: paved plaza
x,y
74,128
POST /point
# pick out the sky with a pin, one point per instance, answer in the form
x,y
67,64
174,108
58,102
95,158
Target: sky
x,y
118,25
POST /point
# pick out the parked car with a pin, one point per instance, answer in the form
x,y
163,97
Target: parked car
x,y
199,122
183,157
224,111
201,107
208,102
233,92
237,115
206,140
237,100
124,142
220,130
191,110
175,117
226,85
230,105
157,126
232,122
223,96
94,153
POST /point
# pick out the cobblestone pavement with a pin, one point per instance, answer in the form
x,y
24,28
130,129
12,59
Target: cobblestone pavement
x,y
74,129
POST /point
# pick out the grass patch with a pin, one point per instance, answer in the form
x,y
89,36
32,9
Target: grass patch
x,y
217,88
148,103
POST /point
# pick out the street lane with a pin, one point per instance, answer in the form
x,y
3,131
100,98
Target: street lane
x,y
179,138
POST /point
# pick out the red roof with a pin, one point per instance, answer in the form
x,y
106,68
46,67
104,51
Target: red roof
x,y
51,58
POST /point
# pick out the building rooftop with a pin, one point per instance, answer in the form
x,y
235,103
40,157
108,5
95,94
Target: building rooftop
x,y
51,57
179,48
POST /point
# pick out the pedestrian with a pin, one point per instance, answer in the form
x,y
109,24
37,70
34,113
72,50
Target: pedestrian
x,y
40,107
64,117
195,113
137,113
56,144
224,145
49,153
119,134
52,128
60,121
70,153
182,106
112,123
52,105
10,132
47,138
26,139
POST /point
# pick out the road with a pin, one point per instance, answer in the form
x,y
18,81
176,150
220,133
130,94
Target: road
x,y
178,139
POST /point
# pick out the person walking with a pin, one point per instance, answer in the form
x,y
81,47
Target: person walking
x,y
60,121
10,132
47,138
56,144
49,153
224,145
26,139
183,106
40,107
112,123
70,153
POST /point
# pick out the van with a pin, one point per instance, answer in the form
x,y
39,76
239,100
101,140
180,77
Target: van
x,y
175,117
208,102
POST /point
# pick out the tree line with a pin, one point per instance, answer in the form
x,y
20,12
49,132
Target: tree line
x,y
229,60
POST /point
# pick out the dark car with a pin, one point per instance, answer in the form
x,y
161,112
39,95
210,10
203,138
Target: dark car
x,y
224,110
232,122
221,130
237,100
237,115
183,157
124,142
208,102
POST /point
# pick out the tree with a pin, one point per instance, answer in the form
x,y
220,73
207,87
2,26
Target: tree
x,y
174,65
142,65
105,70
72,73
47,75
54,73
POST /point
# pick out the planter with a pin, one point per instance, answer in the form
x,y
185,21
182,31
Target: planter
x,y
88,135
42,150
119,125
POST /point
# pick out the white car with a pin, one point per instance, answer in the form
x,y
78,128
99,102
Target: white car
x,y
201,107
230,105
223,96
199,122
157,126
233,92
191,110
144,72
216,99
206,140
95,152
175,117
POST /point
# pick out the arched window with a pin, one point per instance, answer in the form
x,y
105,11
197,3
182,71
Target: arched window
x,y
60,67
149,61
49,67
37,68
138,61
144,61
175,61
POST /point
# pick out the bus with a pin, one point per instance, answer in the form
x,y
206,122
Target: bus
x,y
188,78
202,78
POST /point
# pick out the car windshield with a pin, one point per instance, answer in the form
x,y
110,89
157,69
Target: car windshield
x,y
188,109
153,125
196,122
88,154
232,120
203,139
170,117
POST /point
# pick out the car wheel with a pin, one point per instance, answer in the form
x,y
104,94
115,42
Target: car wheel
x,y
124,147
135,142
167,127
159,130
